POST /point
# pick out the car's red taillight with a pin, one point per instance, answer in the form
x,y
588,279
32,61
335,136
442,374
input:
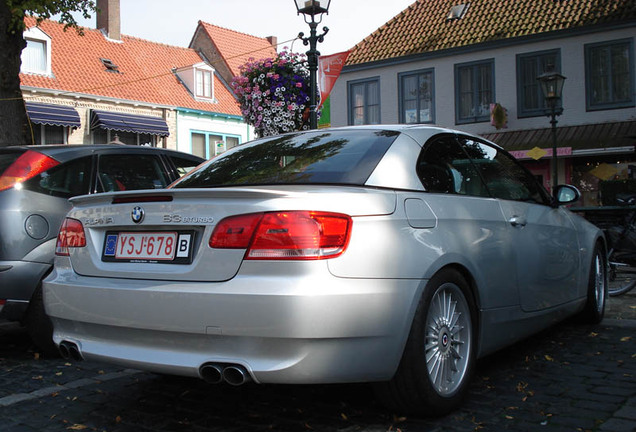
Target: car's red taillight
x,y
28,165
71,235
284,235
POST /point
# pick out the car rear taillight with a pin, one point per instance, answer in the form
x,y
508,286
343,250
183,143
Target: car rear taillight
x,y
296,235
28,165
71,235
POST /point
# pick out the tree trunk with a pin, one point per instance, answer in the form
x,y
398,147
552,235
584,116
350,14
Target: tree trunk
x,y
13,117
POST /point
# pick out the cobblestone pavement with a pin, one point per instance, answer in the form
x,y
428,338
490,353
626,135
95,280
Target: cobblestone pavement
x,y
567,378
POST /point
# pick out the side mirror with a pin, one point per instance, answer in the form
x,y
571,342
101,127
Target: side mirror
x,y
567,194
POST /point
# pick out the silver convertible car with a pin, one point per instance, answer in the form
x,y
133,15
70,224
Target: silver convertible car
x,y
396,255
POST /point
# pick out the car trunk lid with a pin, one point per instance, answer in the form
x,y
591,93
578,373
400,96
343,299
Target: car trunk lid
x,y
189,216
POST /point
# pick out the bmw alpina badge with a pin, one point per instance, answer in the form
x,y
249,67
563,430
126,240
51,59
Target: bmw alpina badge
x,y
137,214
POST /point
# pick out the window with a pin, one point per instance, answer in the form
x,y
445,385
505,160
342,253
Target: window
x,y
317,157
46,134
416,97
474,91
203,83
208,145
503,176
457,11
460,165
609,74
65,180
103,136
183,165
530,100
444,167
36,56
109,65
130,172
364,102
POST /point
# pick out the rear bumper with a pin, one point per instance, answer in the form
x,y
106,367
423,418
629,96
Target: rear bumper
x,y
18,281
304,327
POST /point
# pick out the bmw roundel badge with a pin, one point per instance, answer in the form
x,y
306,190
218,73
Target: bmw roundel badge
x,y
137,214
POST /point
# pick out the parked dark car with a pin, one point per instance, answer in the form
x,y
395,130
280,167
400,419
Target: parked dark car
x,y
35,184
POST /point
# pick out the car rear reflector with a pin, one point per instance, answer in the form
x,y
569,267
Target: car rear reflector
x,y
295,235
71,235
28,165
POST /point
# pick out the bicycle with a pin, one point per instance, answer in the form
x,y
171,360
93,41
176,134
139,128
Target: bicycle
x,y
621,239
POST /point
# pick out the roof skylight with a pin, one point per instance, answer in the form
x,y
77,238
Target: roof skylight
x,y
457,11
109,65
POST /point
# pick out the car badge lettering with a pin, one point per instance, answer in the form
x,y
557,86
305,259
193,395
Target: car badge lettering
x,y
99,221
175,218
137,214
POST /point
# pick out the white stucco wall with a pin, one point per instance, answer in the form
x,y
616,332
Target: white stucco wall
x,y
572,67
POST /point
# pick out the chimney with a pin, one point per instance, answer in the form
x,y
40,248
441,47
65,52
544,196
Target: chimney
x,y
273,40
108,19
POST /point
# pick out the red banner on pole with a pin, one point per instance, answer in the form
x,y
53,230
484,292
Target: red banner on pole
x,y
329,68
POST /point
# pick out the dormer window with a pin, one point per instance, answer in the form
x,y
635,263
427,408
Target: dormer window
x,y
199,80
109,65
36,56
203,83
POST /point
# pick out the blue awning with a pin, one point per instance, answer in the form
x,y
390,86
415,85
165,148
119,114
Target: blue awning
x,y
54,115
129,123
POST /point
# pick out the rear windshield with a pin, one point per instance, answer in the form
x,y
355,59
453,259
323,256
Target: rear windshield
x,y
317,157
7,157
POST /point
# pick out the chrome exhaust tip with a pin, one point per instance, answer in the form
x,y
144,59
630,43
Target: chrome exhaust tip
x,y
64,351
211,373
70,351
236,375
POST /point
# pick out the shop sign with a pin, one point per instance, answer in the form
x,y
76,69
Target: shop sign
x,y
537,153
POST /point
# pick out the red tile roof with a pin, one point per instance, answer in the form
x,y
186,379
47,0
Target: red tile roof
x,y
145,70
237,48
423,27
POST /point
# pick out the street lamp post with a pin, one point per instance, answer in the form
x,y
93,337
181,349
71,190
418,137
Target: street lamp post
x,y
552,89
312,11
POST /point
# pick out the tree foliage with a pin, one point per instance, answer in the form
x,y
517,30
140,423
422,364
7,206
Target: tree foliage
x,y
13,119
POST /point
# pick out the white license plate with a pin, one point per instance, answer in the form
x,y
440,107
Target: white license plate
x,y
161,246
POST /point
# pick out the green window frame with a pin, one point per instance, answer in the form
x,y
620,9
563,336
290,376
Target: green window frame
x,y
609,75
364,101
474,91
530,99
417,96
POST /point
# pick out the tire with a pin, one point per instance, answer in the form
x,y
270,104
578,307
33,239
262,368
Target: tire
x,y
39,325
597,288
438,361
622,277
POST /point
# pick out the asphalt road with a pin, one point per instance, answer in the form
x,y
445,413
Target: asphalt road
x,y
567,378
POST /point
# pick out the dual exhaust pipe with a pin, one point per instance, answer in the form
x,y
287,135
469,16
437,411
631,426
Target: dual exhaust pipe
x,y
216,373
70,351
213,373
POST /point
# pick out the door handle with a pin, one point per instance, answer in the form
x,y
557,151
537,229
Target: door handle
x,y
517,221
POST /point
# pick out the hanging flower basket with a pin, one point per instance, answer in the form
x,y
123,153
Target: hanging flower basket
x,y
274,93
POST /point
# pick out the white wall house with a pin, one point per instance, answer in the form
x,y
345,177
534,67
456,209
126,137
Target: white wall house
x,y
445,65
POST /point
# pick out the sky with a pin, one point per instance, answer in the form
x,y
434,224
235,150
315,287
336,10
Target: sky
x,y
173,22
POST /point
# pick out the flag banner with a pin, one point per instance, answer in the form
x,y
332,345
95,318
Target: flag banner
x,y
329,68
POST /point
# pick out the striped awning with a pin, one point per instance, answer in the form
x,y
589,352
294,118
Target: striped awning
x,y
54,115
580,140
129,123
